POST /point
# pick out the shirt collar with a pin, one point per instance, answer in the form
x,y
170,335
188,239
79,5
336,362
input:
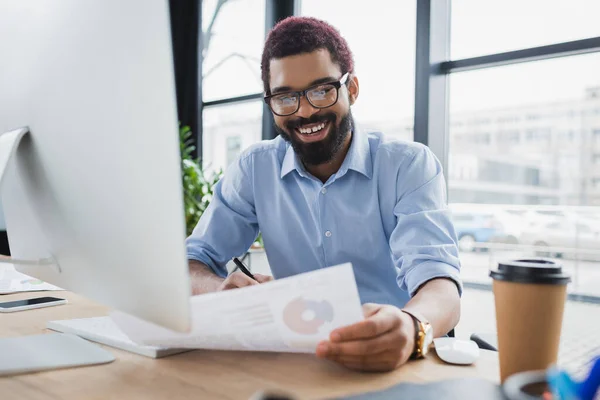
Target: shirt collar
x,y
291,162
357,159
359,155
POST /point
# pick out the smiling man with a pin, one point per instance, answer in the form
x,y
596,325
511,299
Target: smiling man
x,y
325,193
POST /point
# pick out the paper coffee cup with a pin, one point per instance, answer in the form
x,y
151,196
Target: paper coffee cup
x,y
530,297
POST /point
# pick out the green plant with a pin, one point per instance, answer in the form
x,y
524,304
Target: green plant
x,y
197,183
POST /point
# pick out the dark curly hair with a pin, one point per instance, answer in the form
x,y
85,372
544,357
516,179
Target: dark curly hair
x,y
298,35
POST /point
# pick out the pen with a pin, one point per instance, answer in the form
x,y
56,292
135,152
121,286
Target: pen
x,y
243,268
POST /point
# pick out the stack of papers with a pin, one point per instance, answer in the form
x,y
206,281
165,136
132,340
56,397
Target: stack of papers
x,y
287,315
12,281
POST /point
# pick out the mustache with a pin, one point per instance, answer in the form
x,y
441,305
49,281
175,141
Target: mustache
x,y
315,119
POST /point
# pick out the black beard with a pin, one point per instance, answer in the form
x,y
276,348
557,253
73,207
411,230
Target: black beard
x,y
323,151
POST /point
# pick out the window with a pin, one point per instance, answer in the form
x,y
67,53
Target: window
x,y
582,228
384,53
542,135
234,147
228,129
542,155
554,226
233,40
510,137
518,91
595,142
486,27
508,119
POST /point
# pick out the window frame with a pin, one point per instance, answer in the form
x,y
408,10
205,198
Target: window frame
x,y
433,67
275,11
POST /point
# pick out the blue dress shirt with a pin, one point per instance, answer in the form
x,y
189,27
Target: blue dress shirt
x,y
384,211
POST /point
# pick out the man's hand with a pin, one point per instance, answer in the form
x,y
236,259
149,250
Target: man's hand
x,y
238,280
382,342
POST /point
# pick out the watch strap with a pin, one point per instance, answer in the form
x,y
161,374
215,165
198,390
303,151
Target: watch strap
x,y
416,349
415,314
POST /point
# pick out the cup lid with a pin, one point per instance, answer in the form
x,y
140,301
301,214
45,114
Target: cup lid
x,y
531,270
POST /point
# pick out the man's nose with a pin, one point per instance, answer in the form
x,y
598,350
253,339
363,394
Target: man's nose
x,y
306,109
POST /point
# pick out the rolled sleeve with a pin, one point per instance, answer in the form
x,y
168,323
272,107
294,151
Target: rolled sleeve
x,y
427,271
229,225
423,242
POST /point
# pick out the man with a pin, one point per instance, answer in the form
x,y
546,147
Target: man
x,y
324,193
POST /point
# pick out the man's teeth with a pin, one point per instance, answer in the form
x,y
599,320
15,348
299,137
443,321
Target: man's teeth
x,y
314,129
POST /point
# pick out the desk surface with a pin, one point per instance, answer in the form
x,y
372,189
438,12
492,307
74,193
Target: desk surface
x,y
204,374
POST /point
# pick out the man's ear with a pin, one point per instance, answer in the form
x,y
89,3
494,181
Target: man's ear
x,y
353,89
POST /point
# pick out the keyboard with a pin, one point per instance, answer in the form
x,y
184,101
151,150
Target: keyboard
x,y
104,331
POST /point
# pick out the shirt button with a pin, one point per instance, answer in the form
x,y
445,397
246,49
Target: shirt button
x,y
324,190
328,233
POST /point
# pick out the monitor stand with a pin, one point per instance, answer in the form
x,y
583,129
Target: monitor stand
x,y
9,142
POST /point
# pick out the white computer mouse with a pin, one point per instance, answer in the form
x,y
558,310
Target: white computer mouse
x,y
456,351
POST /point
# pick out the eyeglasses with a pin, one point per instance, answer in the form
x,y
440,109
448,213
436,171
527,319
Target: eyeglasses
x,y
319,96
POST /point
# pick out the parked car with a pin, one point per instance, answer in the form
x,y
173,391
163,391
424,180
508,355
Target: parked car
x,y
518,221
474,227
513,222
556,237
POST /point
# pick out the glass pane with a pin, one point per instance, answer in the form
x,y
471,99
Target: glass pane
x,y
524,145
233,47
228,130
384,53
486,27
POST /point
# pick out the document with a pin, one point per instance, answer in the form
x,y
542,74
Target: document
x,y
12,281
287,315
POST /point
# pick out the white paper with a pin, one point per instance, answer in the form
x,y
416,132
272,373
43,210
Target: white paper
x,y
12,281
288,315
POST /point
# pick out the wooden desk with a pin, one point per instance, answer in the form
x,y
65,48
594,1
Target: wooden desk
x,y
203,374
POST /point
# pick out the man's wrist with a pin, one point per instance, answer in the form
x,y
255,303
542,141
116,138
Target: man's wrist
x,y
203,279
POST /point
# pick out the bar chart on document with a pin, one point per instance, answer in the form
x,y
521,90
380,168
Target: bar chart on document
x,y
288,315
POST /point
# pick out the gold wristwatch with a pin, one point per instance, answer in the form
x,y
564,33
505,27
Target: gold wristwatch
x,y
423,335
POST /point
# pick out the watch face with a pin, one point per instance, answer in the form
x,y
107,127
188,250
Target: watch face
x,y
427,340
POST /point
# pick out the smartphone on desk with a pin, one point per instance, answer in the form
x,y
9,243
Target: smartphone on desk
x,y
29,304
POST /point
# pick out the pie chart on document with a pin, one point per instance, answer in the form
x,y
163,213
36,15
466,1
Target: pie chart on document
x,y
305,317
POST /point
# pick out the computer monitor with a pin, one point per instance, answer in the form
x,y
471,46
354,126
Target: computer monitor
x,y
95,186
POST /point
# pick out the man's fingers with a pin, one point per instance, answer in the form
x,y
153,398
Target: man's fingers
x,y
240,279
377,324
237,280
263,278
379,343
